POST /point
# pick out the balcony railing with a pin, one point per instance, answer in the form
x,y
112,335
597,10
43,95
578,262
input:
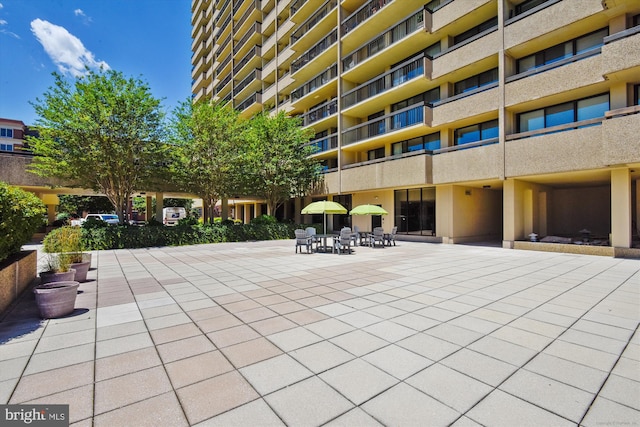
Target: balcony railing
x,y
224,63
223,83
403,73
295,6
409,116
245,82
554,129
325,143
247,36
255,97
362,14
255,5
313,20
394,35
316,50
315,82
319,113
248,57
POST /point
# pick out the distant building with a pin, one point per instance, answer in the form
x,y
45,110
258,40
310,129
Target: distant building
x,y
12,134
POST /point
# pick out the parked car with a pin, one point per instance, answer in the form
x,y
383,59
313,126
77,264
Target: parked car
x,y
108,218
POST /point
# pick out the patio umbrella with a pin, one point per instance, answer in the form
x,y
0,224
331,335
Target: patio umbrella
x,y
368,210
324,207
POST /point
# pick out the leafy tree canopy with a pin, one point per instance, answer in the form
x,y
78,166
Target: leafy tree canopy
x,y
279,159
102,131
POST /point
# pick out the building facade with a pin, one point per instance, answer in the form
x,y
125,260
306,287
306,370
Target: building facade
x,y
467,120
12,133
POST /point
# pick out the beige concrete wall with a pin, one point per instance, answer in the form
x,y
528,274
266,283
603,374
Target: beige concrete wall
x,y
468,165
13,171
616,55
16,277
621,208
467,107
385,198
570,150
553,82
454,11
573,209
467,54
465,214
404,172
550,19
526,209
621,140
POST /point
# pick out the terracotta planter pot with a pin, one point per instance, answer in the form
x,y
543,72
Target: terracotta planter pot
x,y
52,276
56,299
81,268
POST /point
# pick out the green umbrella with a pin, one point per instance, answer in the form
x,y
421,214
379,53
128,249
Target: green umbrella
x,y
324,207
368,210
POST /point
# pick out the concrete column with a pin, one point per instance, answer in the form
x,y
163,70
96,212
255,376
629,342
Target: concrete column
x,y
159,206
444,213
621,208
149,209
510,213
224,209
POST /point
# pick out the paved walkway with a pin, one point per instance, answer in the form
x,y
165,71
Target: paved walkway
x,y
252,334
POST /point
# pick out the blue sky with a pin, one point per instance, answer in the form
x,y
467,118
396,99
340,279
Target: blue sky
x,y
150,39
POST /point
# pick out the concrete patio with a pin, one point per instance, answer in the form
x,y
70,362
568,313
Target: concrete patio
x,y
420,334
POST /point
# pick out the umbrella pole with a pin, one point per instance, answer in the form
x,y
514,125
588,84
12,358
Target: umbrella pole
x,y
325,222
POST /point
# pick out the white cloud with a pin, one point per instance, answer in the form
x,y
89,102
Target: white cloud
x,y
1,6
3,22
64,49
79,12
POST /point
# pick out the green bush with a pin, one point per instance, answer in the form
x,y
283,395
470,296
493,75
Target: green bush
x,y
21,214
264,219
129,237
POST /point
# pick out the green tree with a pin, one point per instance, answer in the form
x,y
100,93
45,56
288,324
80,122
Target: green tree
x,y
280,166
208,143
104,132
71,203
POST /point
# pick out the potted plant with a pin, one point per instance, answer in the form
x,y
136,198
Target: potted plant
x,y
67,242
58,269
56,299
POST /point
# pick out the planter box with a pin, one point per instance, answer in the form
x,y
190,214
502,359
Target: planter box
x,y
16,274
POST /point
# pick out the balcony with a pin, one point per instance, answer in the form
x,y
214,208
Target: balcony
x,y
300,10
250,39
402,124
321,112
414,69
319,24
320,47
473,104
572,73
251,16
563,148
223,87
389,172
317,86
458,15
251,83
402,37
324,144
480,50
354,34
252,59
616,58
546,19
250,105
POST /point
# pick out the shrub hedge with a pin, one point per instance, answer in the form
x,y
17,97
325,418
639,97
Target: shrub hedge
x,y
21,214
105,236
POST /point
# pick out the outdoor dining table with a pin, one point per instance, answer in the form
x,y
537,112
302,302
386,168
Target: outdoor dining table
x,y
325,248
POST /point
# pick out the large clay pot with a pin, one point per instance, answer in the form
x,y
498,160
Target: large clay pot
x,y
52,276
56,299
81,268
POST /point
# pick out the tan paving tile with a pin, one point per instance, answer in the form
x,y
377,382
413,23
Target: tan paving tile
x,y
174,333
80,401
358,380
255,413
256,314
160,410
126,363
231,336
187,347
275,373
273,325
60,358
52,381
304,317
250,352
217,323
131,388
214,396
197,368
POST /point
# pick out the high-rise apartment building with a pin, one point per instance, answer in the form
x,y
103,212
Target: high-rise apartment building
x,y
465,119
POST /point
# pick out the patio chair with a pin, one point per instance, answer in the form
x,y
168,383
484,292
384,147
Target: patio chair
x,y
302,239
342,243
311,232
377,237
355,235
391,237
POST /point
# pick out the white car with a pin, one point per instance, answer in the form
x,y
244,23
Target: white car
x,y
108,218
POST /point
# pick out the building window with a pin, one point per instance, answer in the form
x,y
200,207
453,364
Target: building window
x,y
427,142
636,95
474,82
528,5
636,20
6,133
6,147
562,51
427,97
493,22
475,133
378,153
415,211
567,112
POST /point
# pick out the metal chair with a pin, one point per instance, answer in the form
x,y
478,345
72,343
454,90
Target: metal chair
x,y
377,237
342,243
391,237
302,239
